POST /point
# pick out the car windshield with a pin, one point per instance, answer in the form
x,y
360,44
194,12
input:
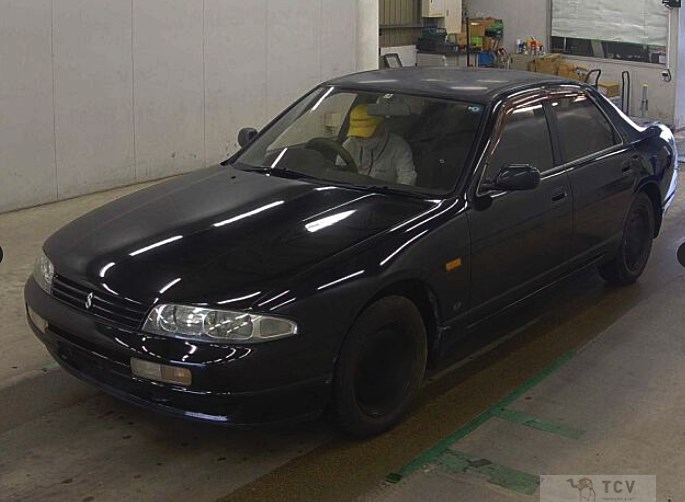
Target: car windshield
x,y
371,140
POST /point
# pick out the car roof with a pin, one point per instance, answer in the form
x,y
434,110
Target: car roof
x,y
470,84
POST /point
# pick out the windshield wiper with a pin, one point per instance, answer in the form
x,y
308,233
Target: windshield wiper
x,y
254,169
292,174
384,189
289,173
369,188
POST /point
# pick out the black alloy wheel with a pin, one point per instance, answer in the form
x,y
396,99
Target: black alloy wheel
x,y
381,366
636,244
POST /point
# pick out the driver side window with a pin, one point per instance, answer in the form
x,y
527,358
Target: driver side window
x,y
525,139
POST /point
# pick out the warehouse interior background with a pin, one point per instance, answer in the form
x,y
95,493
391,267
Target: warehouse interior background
x,y
99,94
100,98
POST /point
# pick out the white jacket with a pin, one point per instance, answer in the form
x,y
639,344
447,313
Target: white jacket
x,y
388,158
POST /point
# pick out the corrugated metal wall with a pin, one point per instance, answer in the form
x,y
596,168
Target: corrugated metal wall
x,y
400,22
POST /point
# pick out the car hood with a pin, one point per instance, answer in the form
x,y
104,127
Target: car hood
x,y
219,234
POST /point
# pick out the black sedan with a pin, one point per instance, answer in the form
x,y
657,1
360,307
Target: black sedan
x,y
338,253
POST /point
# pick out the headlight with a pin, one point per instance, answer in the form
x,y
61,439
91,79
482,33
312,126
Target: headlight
x,y
196,323
44,272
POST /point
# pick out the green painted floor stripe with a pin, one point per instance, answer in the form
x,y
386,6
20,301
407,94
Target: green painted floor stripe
x,y
435,451
50,366
511,479
432,453
521,418
537,379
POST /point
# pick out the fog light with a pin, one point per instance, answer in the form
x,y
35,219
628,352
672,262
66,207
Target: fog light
x,y
160,372
37,320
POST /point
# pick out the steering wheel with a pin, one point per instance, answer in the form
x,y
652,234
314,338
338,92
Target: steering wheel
x,y
326,146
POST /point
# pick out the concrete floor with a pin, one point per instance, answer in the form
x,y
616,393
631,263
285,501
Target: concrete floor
x,y
62,440
617,407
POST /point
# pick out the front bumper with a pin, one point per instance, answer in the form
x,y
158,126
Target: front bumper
x,y
232,385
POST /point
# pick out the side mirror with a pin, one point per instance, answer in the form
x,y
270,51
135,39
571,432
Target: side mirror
x,y
0,254
246,135
514,177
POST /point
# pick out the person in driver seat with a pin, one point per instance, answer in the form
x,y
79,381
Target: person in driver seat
x,y
377,152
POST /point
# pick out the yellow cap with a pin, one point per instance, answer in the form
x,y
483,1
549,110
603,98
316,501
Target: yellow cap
x,y
363,125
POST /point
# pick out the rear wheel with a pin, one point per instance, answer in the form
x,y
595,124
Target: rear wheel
x,y
381,366
636,244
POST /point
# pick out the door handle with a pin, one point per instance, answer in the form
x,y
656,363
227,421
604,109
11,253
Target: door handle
x,y
559,195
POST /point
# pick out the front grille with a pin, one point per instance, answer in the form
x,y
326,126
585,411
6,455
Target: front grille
x,y
105,306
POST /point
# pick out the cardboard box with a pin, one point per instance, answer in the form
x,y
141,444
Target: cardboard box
x,y
581,72
610,89
548,64
567,70
493,26
549,67
490,44
461,39
488,23
520,62
475,29
572,71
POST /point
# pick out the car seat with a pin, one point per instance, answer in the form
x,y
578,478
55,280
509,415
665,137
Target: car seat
x,y
441,141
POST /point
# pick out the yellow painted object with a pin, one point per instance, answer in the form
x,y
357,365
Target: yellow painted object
x,y
610,89
572,71
453,265
548,64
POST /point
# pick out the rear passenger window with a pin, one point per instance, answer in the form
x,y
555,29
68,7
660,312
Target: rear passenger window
x,y
583,129
525,140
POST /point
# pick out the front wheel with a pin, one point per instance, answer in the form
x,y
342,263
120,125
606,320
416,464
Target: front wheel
x,y
380,367
636,244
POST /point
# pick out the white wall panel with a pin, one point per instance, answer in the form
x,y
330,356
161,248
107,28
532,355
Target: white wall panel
x,y
338,37
93,95
368,20
235,69
169,86
678,61
27,147
149,88
293,35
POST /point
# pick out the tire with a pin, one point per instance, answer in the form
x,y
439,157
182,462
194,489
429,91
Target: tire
x,y
636,244
380,367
